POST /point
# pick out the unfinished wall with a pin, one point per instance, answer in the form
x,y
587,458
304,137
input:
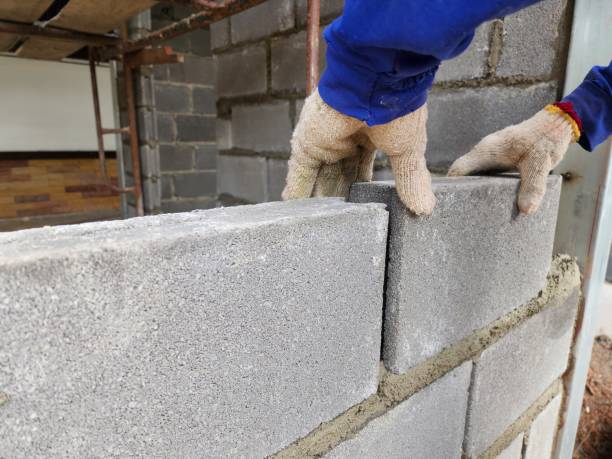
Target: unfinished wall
x,y
257,331
512,69
176,118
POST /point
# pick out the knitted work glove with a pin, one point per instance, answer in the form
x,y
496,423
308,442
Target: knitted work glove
x,y
533,147
330,151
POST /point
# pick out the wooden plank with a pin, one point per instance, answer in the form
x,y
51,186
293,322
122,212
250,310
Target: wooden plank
x,y
90,16
20,11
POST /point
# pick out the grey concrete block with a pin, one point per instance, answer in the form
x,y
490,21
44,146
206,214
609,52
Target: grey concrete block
x,y
175,335
195,184
232,67
176,157
223,128
166,187
194,128
277,173
512,373
243,177
289,62
461,262
219,34
172,98
206,157
472,63
166,128
514,449
542,433
263,20
195,70
200,40
531,38
458,119
187,205
427,425
204,101
264,127
329,9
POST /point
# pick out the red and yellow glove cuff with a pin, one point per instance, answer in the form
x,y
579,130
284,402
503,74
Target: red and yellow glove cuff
x,y
566,109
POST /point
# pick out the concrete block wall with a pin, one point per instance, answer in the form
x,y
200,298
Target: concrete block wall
x,y
512,69
176,107
257,331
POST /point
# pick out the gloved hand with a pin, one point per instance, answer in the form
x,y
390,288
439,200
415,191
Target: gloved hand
x,y
533,147
331,150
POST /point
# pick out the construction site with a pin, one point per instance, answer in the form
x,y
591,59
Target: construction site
x,y
161,297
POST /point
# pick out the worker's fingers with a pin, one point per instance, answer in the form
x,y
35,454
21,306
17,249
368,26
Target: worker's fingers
x,y
495,152
330,180
413,183
365,165
534,169
301,175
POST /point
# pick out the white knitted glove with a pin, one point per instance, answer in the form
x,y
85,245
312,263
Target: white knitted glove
x,y
331,150
533,147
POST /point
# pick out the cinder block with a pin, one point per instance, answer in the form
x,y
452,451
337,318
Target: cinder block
x,y
514,449
459,118
200,41
195,70
194,128
542,433
224,333
456,271
187,205
289,62
531,39
472,63
243,177
204,101
427,425
195,184
277,173
172,98
233,67
223,128
166,187
264,127
329,9
206,157
263,20
166,128
511,374
176,157
219,34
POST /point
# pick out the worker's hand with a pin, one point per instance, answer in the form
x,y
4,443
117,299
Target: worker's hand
x,y
533,147
330,151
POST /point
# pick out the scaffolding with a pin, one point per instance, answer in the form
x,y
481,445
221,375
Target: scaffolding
x,y
47,29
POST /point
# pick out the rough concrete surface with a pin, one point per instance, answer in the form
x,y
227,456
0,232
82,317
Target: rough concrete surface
x,y
224,333
512,373
543,430
428,425
514,450
456,271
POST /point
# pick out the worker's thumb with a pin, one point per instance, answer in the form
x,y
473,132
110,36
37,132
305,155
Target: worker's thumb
x,y
534,169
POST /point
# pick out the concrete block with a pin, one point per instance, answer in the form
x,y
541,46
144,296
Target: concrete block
x,y
206,157
243,177
166,187
264,127
329,9
514,449
219,34
195,70
512,373
176,157
204,101
195,184
289,62
188,205
542,433
176,335
233,66
277,173
200,41
223,129
459,118
166,128
195,128
472,63
263,20
461,262
531,38
427,425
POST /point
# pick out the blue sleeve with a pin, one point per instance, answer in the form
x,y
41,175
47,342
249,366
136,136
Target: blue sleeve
x,y
439,28
592,101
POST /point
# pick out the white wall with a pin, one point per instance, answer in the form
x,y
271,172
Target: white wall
x,y
48,106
